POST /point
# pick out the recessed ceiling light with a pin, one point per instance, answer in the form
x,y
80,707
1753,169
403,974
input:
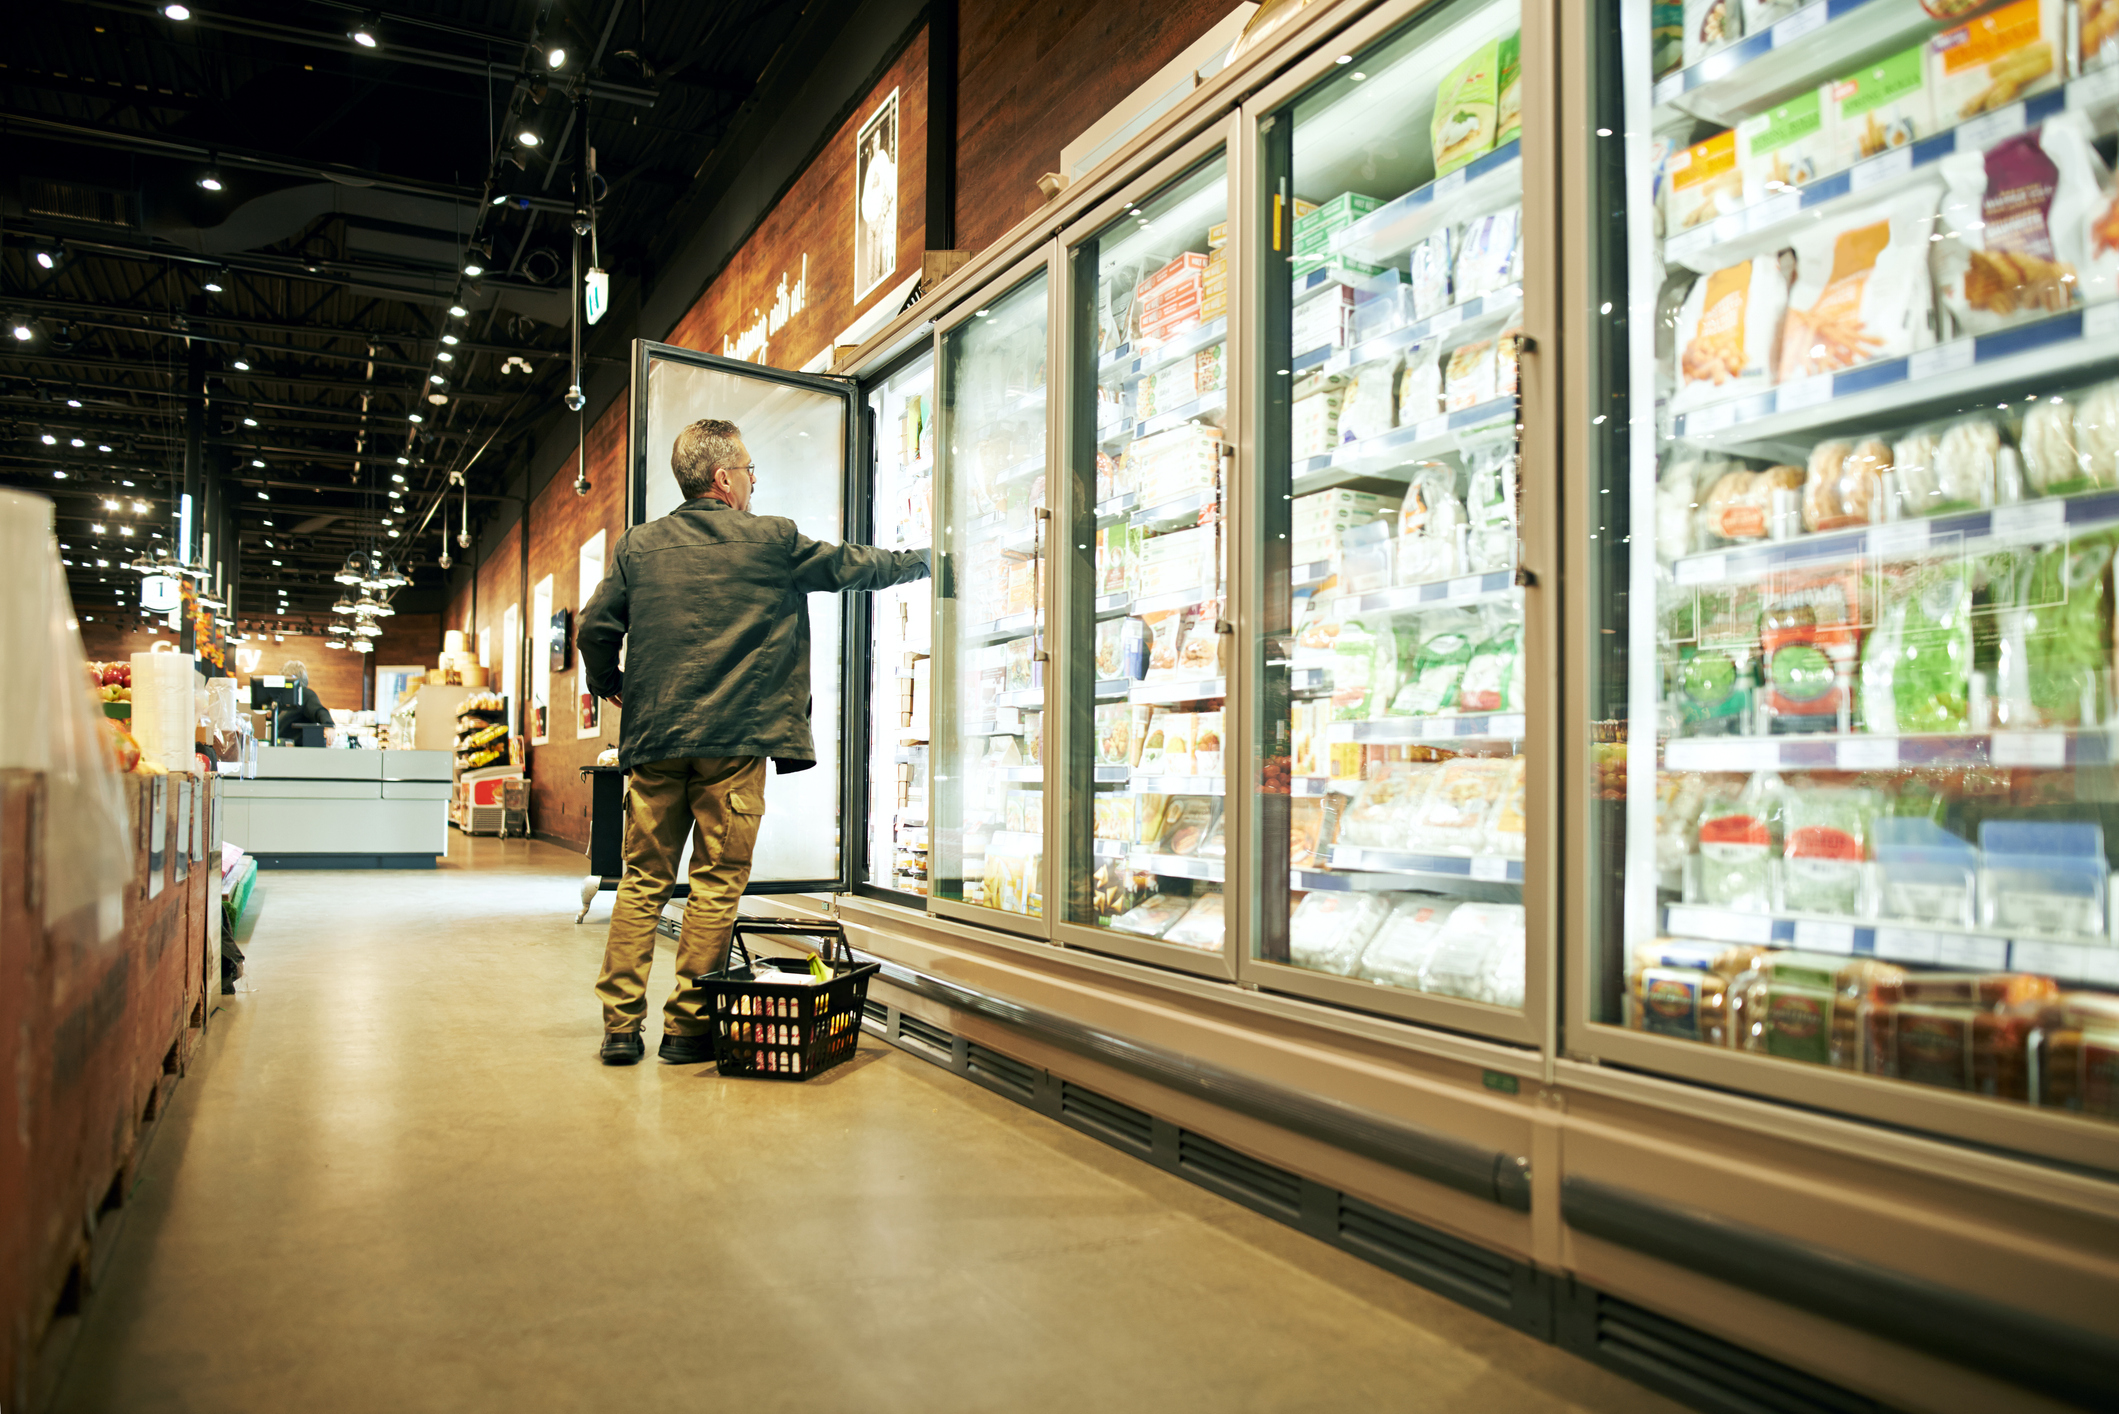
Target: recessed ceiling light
x,y
212,285
76,441
365,33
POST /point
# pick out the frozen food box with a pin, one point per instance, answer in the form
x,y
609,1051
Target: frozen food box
x,y
1991,60
1508,101
1702,182
1329,929
1881,107
1201,925
1153,915
1467,109
1786,147
1314,231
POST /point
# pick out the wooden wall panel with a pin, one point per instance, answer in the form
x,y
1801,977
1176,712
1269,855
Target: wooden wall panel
x,y
1032,77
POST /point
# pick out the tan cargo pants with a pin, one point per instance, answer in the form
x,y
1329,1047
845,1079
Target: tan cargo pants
x,y
719,800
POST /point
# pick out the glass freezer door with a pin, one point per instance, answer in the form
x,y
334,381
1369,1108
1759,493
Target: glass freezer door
x,y
1856,424
987,811
800,432
1391,661
1146,678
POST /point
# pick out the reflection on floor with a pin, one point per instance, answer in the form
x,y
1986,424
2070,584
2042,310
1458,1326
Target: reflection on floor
x,y
398,1180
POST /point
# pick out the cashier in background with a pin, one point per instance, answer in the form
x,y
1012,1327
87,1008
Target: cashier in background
x,y
308,709
714,601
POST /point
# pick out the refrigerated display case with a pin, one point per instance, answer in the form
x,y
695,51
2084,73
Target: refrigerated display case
x,y
1391,662
1145,673
901,427
1854,424
986,809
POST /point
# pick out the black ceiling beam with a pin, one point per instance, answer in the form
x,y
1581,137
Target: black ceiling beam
x,y
98,403
22,353
396,51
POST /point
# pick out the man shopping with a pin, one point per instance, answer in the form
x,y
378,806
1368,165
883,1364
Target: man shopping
x,y
716,680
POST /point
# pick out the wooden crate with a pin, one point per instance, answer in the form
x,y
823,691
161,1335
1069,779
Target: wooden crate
x,y
98,1034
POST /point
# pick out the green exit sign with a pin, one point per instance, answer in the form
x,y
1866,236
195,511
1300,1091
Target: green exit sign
x,y
1495,1080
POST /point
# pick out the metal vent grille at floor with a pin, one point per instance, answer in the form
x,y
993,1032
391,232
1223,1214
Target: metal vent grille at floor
x,y
1122,1124
1216,1165
1003,1072
925,1034
875,1011
1469,1273
1691,1366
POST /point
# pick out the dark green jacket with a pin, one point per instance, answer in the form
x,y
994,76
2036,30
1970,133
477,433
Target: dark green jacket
x,y
716,603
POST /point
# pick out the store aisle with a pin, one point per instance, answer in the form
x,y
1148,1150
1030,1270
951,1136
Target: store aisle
x,y
398,1179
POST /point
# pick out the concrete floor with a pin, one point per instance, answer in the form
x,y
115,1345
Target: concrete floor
x,y
397,1179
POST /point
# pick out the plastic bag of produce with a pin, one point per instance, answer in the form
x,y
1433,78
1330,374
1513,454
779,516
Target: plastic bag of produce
x,y
1370,400
2051,669
1491,506
2052,464
1736,844
1493,679
1428,522
1826,834
1726,330
51,723
1861,288
1446,643
1916,670
2097,435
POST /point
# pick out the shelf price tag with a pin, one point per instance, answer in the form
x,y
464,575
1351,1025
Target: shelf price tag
x,y
1703,569
1489,868
1712,418
1433,428
2030,522
2068,961
1669,88
1908,945
1804,393
1685,248
1965,950
1465,588
1453,183
1867,753
1943,358
2100,321
1720,924
1446,319
1774,210
2045,749
1819,936
1806,21
1984,131
1878,170
1898,539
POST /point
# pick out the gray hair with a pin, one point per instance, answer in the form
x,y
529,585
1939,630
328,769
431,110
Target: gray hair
x,y
298,670
699,449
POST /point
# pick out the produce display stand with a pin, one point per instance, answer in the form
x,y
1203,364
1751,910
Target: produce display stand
x,y
100,1034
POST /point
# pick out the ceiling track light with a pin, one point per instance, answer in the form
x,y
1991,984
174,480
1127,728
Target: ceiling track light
x,y
177,12
367,31
211,177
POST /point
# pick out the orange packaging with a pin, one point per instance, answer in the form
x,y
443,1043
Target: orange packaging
x,y
1991,61
1704,182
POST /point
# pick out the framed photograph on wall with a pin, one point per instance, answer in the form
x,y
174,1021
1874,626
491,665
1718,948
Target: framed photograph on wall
x,y
875,227
588,710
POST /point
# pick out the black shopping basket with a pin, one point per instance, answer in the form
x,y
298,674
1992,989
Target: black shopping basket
x,y
771,1018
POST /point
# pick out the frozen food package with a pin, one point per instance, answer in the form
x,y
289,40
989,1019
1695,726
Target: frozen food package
x,y
1881,107
1493,679
1861,288
1428,522
1387,809
1759,14
1186,824
2099,36
1420,385
1022,664
1305,832
2046,442
1114,734
1951,468
1201,925
1726,332
1478,955
1354,690
1466,109
1826,841
1666,35
1329,929
2010,52
2016,225
1508,101
1460,804
1843,485
1370,400
2053,667
1487,261
1677,504
1736,845
1809,636
1365,556
1702,182
1148,756
1916,671
1710,24
1786,147
1165,635
1431,262
1153,915
2097,435
1738,504
1445,651
1808,1006
1406,940
1140,722
1206,744
1505,828
1473,377
1316,421
1176,731
1199,651
1110,649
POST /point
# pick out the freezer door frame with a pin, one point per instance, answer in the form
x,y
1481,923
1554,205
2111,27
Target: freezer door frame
x,y
1188,157
860,794
1903,1105
645,351
1039,262
1534,1025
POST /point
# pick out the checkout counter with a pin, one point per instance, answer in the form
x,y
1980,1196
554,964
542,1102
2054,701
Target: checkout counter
x,y
334,809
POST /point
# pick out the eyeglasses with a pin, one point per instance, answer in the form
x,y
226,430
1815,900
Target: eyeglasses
x,y
749,469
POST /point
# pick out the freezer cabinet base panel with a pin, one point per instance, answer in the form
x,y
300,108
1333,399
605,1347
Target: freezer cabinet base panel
x,y
345,861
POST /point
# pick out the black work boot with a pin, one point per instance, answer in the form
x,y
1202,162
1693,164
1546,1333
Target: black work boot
x,y
686,1050
622,1047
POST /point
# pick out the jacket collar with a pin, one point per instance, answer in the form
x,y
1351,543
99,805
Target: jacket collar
x,y
702,503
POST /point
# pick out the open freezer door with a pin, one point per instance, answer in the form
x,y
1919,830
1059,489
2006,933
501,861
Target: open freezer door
x,y
801,433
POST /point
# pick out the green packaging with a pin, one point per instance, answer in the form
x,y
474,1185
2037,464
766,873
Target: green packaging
x,y
1466,109
1508,102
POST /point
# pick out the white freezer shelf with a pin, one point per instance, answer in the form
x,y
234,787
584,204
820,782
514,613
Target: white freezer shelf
x,y
1183,690
1485,867
1766,226
1130,361
1013,626
1863,752
1322,785
2039,522
1823,40
1485,184
1204,406
2068,961
2010,359
1464,321
1398,449
1408,731
1178,866
1485,587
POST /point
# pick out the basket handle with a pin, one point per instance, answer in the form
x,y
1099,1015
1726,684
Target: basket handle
x,y
827,933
